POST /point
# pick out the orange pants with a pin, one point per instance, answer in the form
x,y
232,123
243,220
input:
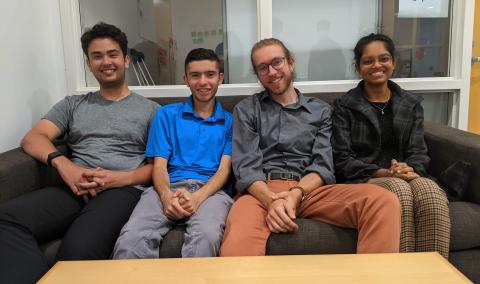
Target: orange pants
x,y
371,209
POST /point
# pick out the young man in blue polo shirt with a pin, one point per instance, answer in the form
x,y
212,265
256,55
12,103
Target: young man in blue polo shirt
x,y
190,143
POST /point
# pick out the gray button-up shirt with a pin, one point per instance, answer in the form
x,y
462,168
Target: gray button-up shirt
x,y
268,137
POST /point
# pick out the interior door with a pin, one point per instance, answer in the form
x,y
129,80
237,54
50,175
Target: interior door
x,y
474,105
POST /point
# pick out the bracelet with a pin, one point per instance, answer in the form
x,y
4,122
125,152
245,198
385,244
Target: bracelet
x,y
52,156
302,190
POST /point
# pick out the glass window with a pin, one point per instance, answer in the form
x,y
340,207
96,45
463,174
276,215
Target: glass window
x,y
322,33
162,32
423,44
241,19
437,107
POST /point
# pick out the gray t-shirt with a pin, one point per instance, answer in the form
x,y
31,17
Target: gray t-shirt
x,y
101,133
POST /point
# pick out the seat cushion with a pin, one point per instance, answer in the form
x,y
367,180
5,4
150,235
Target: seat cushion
x,y
171,245
313,237
468,262
465,222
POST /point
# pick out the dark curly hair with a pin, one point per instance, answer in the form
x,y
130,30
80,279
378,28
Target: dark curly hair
x,y
198,54
387,42
104,30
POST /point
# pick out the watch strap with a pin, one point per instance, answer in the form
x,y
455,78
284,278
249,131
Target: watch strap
x,y
52,156
302,190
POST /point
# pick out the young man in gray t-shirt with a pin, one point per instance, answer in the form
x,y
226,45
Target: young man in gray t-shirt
x,y
106,132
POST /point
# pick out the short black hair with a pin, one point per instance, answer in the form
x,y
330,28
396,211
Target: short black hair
x,y
104,30
387,42
198,54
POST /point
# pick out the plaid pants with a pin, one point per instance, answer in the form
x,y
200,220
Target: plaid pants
x,y
425,214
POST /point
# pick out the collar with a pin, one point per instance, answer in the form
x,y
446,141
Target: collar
x,y
302,100
402,103
217,114
355,98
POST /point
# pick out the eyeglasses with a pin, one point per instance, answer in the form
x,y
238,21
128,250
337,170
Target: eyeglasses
x,y
367,61
276,63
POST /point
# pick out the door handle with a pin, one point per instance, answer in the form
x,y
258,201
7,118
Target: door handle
x,y
475,59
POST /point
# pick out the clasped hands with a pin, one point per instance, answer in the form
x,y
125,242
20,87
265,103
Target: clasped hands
x,y
281,211
89,182
402,170
179,204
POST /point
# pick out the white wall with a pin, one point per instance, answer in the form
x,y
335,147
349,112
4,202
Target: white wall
x,y
32,73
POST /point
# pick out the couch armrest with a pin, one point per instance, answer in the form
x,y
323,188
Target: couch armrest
x,y
20,173
447,145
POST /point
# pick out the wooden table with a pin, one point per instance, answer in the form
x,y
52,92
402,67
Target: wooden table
x,y
346,268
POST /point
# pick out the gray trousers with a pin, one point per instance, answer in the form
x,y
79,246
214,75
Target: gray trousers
x,y
142,234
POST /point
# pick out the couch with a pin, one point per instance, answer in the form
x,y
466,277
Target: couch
x,y
19,173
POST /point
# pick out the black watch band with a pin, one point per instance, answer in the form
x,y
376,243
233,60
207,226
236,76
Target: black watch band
x,y
52,156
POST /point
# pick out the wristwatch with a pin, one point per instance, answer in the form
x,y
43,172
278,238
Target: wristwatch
x,y
52,156
302,190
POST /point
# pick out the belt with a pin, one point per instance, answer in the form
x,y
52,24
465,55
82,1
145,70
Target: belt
x,y
283,176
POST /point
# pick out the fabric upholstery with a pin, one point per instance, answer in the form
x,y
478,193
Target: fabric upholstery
x,y
465,221
455,180
462,146
19,174
313,237
467,261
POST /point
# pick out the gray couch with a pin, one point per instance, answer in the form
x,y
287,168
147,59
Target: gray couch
x,y
19,173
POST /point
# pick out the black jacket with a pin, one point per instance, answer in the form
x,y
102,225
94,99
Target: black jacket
x,y
356,138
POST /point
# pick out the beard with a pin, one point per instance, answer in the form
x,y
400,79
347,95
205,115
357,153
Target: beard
x,y
285,85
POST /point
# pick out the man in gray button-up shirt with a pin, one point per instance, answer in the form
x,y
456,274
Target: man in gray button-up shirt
x,y
282,159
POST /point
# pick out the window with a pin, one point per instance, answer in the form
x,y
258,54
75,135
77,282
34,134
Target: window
x,y
161,33
437,107
423,44
433,53
322,34
324,38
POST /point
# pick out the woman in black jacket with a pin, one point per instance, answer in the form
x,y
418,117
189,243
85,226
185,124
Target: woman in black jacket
x,y
378,137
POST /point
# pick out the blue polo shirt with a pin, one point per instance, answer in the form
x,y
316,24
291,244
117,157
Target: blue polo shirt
x,y
192,145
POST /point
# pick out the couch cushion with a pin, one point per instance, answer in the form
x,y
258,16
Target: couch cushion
x,y
313,237
465,222
468,262
171,245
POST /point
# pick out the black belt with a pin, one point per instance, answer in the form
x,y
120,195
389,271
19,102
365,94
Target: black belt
x,y
284,176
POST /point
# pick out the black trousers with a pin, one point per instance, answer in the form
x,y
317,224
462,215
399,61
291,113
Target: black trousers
x,y
88,231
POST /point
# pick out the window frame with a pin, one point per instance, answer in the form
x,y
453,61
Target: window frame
x,y
457,83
